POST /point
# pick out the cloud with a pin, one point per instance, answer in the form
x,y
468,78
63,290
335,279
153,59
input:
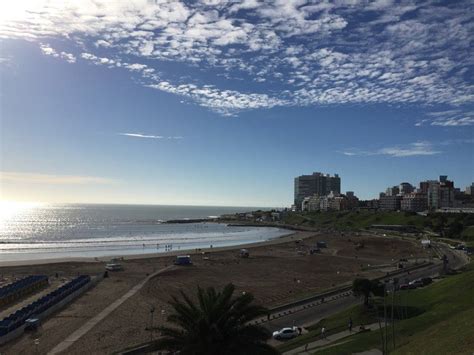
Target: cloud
x,y
38,178
48,50
148,136
309,53
413,149
448,118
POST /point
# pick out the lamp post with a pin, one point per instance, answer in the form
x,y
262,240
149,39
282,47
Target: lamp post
x,y
37,343
152,311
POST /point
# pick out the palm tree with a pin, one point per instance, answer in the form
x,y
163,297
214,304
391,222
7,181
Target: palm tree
x,y
366,287
217,324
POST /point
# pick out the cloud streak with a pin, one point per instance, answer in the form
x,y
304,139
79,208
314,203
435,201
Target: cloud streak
x,y
148,136
38,178
400,151
448,118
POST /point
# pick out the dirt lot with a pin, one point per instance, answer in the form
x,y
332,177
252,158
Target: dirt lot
x,y
274,273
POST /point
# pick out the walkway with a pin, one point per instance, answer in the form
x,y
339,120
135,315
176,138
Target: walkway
x,y
75,336
327,341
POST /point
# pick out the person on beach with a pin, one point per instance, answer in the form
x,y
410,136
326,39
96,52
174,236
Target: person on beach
x,y
323,333
350,325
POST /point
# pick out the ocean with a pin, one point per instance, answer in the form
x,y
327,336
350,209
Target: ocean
x,y
91,230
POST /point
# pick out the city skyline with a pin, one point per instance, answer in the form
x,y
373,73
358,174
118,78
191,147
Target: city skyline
x,y
225,103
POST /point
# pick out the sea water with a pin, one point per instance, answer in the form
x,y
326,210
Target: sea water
x,y
86,230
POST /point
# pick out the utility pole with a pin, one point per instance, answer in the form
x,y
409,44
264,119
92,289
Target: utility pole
x,y
394,284
385,316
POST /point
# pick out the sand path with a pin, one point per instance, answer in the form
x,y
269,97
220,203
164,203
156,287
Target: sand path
x,y
71,339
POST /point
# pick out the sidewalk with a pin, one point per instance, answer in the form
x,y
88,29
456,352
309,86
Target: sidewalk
x,y
328,340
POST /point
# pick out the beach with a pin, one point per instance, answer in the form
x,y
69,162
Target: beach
x,y
277,271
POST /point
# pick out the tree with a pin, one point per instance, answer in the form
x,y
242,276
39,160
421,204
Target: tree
x,y
216,324
366,287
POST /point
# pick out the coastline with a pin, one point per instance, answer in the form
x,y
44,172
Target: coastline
x,y
292,234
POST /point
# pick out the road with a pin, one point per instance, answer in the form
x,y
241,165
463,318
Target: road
x,y
304,316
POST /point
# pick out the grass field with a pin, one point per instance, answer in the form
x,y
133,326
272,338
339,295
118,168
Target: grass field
x,y
445,326
454,225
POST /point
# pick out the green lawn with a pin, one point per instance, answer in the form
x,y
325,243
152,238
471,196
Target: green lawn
x,y
334,324
468,234
445,326
454,225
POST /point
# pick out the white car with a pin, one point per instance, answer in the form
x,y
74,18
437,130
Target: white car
x,y
286,333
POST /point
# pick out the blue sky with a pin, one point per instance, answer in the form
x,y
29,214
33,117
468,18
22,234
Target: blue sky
x,y
225,102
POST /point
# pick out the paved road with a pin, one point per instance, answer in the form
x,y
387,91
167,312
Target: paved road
x,y
304,317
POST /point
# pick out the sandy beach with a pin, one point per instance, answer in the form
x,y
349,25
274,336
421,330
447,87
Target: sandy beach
x,y
276,272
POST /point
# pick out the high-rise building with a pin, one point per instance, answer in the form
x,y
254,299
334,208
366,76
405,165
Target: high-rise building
x,y
439,193
405,188
315,184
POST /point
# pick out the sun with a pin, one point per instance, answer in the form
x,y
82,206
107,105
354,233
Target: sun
x,y
9,209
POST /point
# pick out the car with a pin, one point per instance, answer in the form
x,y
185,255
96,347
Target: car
x,y
404,287
114,267
286,333
416,283
426,280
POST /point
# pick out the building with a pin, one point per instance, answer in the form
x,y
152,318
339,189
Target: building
x,y
332,202
405,188
470,190
392,191
311,203
440,194
315,184
390,203
414,202
352,200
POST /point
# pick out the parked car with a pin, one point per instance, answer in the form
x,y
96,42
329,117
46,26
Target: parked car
x,y
404,287
286,333
183,260
416,283
244,253
114,267
426,280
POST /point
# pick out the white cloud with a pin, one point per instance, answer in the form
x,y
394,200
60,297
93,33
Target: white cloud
x,y
38,178
400,151
315,53
48,50
448,118
148,136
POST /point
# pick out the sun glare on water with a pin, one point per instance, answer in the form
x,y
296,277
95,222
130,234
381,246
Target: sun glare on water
x,y
9,209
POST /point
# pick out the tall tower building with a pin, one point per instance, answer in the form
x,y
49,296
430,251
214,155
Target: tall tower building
x,y
315,184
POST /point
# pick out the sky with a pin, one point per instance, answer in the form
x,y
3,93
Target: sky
x,y
214,102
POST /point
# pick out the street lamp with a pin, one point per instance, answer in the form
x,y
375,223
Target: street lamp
x,y
152,311
37,343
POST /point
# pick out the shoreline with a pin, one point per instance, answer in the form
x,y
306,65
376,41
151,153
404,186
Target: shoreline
x,y
104,259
